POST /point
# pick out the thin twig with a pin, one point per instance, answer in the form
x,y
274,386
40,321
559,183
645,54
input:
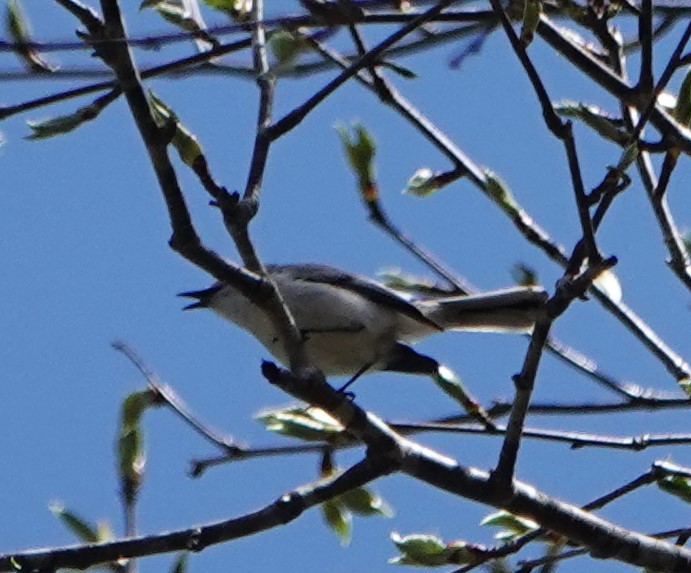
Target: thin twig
x,y
170,398
465,424
177,64
605,539
525,224
184,239
680,261
661,84
669,15
237,213
576,440
293,118
567,291
285,509
646,77
199,466
562,130
611,82
659,470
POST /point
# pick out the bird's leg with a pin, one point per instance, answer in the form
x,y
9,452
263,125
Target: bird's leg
x,y
353,378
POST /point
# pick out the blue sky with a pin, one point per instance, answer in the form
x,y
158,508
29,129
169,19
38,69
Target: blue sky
x,y
85,261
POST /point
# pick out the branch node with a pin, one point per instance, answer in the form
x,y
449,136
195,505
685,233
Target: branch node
x,y
194,542
291,506
519,382
237,211
502,488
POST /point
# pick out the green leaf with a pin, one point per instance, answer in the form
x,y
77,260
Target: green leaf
x,y
131,454
682,110
184,141
686,238
240,10
430,551
66,123
360,150
678,486
104,531
16,22
445,379
514,525
500,193
365,502
308,424
596,118
60,125
19,29
339,519
134,405
185,16
175,13
81,528
685,385
398,280
286,45
532,11
418,549
180,563
525,275
223,5
628,156
422,183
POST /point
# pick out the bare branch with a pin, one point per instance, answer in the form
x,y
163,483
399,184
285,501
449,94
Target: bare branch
x,y
284,510
603,539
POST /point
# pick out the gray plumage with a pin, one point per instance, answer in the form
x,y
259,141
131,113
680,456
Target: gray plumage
x,y
351,323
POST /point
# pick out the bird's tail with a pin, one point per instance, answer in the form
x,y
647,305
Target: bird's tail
x,y
513,309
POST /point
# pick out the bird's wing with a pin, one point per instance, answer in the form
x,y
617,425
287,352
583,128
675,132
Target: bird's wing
x,y
367,288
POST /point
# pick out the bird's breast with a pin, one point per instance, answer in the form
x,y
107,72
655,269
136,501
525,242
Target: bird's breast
x,y
342,331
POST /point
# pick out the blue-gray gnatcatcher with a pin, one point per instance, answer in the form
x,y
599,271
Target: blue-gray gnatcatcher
x,y
352,324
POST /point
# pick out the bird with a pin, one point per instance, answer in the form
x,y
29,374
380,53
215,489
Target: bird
x,y
352,324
